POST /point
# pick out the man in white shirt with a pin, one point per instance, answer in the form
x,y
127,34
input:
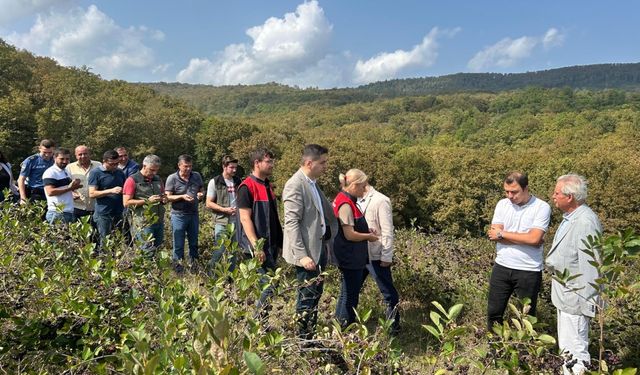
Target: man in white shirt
x,y
58,188
518,226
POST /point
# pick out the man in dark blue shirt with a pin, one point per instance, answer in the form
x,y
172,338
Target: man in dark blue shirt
x,y
31,171
105,186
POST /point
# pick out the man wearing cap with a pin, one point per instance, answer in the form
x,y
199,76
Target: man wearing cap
x,y
32,168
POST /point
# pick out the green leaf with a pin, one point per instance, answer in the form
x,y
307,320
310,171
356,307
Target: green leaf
x,y
454,311
439,307
150,368
546,339
432,330
254,363
435,317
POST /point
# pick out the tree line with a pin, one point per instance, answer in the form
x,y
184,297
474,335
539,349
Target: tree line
x,y
441,158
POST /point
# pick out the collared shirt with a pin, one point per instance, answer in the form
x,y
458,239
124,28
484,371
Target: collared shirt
x,y
176,185
564,224
316,197
101,179
77,171
32,169
130,168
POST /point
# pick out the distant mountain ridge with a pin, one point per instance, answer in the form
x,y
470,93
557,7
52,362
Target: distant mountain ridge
x,y
593,77
273,96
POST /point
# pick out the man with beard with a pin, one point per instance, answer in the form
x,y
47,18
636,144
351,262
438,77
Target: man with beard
x,y
30,180
59,188
259,219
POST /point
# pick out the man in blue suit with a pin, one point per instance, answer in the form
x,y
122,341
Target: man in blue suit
x,y
576,301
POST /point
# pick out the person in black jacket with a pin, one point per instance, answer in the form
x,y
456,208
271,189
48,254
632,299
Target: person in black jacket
x,y
350,245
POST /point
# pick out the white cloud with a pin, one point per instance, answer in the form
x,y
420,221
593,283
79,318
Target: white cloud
x,y
89,37
387,65
16,9
159,69
508,52
281,48
552,38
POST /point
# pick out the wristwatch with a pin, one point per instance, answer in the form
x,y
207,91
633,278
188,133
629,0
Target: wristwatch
x,y
499,235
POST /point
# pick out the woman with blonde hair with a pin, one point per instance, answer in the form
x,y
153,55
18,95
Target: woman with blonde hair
x,y
350,245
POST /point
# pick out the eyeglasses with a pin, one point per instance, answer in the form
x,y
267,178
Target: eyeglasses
x,y
113,162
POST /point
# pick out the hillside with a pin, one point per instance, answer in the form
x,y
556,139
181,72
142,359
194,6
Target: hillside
x,y
271,97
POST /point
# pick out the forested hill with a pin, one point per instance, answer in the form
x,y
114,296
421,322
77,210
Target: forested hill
x,y
274,97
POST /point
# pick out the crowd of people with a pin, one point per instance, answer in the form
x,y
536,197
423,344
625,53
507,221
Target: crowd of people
x,y
355,232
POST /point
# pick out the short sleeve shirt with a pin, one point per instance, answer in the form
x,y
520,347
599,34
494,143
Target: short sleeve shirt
x,y
129,187
345,215
231,190
32,168
175,185
535,214
130,168
57,177
245,200
102,179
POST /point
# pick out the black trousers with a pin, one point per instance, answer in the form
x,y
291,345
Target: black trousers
x,y
503,283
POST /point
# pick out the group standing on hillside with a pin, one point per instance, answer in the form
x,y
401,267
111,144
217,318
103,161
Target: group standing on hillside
x,y
355,232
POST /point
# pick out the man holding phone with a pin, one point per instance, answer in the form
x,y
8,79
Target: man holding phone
x,y
141,190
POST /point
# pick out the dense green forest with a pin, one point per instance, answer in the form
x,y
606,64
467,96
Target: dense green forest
x,y
440,155
232,100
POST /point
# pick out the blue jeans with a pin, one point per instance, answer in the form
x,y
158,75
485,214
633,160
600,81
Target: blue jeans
x,y
55,216
106,224
504,281
308,297
263,306
185,226
157,237
220,232
349,296
383,278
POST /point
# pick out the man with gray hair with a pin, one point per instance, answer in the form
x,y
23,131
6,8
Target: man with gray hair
x,y
576,300
143,194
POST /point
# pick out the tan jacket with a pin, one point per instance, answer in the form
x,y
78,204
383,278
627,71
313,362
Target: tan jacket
x,y
303,229
377,210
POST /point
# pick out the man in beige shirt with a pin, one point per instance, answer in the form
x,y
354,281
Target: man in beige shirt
x,y
82,204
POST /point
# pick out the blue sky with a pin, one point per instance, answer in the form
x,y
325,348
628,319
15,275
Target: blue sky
x,y
319,43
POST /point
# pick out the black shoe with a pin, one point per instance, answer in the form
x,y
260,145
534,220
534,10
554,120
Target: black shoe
x,y
178,269
193,267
